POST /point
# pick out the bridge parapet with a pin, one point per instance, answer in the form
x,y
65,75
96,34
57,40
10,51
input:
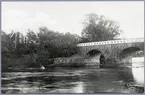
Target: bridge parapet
x,y
112,42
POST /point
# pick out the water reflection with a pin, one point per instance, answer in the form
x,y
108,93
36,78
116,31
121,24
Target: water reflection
x,y
69,80
138,70
138,75
79,88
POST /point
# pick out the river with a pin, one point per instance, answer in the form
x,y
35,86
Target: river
x,y
70,80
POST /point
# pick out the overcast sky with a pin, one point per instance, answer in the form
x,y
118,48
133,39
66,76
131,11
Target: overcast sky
x,y
68,16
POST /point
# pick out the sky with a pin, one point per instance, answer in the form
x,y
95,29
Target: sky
x,y
68,16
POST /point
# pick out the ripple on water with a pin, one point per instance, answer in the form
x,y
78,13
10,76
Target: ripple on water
x,y
68,81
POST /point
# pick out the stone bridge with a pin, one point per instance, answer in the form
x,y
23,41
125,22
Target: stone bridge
x,y
113,50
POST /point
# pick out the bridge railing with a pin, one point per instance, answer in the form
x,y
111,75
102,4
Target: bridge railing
x,y
112,42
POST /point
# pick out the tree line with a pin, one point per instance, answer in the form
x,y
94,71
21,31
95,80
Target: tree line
x,y
53,44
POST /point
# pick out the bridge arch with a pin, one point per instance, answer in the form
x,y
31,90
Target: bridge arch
x,y
128,53
93,52
98,56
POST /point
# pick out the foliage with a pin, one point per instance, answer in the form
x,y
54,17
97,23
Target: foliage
x,y
31,37
98,28
45,44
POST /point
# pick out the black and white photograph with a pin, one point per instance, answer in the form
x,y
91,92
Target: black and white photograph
x,y
72,47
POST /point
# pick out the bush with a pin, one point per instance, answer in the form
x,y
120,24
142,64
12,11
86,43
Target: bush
x,y
43,59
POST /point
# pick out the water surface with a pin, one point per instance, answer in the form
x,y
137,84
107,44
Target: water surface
x,y
70,80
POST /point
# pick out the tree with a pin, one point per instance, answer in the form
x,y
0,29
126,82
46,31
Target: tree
x,y
5,43
31,37
57,44
98,28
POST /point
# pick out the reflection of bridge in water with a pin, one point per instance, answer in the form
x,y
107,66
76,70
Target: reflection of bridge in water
x,y
120,51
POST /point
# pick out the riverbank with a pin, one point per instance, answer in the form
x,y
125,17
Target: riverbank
x,y
29,62
55,67
13,62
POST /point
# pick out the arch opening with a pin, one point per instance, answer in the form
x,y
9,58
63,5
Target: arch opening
x,y
127,54
131,51
93,53
97,57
